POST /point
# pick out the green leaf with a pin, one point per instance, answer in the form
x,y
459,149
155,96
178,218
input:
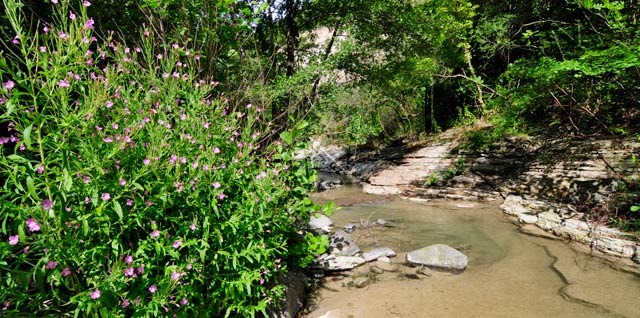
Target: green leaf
x,y
17,158
26,135
635,208
286,137
10,107
138,186
85,227
31,187
67,181
118,209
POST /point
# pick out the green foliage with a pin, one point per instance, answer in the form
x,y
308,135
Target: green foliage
x,y
132,189
432,180
359,130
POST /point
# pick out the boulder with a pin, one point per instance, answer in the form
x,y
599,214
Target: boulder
x,y
320,224
378,252
439,256
341,243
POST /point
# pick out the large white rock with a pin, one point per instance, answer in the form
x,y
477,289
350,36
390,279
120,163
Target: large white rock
x,y
341,263
320,223
439,256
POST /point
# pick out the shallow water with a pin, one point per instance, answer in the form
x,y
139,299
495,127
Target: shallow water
x,y
510,274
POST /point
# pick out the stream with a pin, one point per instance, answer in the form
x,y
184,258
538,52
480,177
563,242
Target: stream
x,y
510,274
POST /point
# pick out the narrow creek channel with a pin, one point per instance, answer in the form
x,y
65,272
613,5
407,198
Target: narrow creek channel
x,y
510,274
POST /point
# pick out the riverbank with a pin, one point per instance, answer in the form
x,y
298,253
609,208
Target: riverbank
x,y
509,274
565,188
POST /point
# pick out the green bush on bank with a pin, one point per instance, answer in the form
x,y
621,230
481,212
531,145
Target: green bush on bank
x,y
130,189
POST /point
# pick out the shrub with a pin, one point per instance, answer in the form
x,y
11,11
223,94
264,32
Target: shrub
x,y
132,188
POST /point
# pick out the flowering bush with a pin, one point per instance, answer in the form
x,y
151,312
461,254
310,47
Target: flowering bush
x,y
130,189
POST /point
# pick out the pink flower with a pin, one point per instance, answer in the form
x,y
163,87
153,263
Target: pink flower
x,y
192,227
216,150
153,289
222,196
8,85
129,202
128,259
72,16
140,270
183,160
65,272
108,139
46,204
177,244
95,294
176,275
63,83
155,233
128,272
40,169
105,196
216,185
86,3
51,265
54,1
125,303
146,161
33,225
184,301
16,39
13,240
122,182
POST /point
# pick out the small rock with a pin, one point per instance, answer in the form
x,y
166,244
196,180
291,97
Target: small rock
x,y
636,257
385,266
376,270
361,282
381,222
320,223
349,227
378,252
439,256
